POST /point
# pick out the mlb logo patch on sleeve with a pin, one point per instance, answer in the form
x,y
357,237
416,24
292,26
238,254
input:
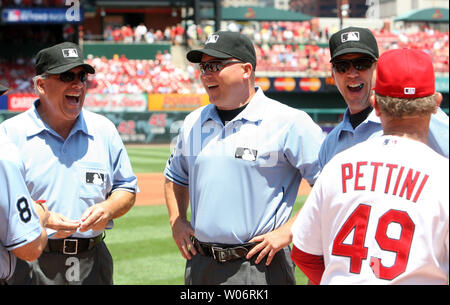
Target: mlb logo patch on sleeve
x,y
95,178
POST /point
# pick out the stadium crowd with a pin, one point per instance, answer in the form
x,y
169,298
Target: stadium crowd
x,y
140,33
121,75
312,59
280,46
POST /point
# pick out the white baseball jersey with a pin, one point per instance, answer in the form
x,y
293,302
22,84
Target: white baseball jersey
x,y
378,214
19,223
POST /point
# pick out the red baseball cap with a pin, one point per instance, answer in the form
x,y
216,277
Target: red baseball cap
x,y
405,73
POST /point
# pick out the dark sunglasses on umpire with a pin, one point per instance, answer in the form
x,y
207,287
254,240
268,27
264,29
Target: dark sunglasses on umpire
x,y
359,64
215,65
69,76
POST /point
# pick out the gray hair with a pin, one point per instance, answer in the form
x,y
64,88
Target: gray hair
x,y
35,79
399,107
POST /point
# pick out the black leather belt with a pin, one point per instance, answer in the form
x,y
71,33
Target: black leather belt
x,y
73,246
223,252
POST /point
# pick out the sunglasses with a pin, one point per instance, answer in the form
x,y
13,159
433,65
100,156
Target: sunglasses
x,y
360,64
69,76
215,65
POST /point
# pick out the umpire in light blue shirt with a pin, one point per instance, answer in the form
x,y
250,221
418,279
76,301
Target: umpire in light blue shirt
x,y
76,161
239,162
354,53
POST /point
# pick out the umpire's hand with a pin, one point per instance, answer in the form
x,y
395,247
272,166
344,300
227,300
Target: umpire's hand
x,y
272,242
177,201
182,232
62,224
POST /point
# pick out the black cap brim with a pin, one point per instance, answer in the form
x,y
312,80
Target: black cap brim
x,y
195,56
61,69
353,50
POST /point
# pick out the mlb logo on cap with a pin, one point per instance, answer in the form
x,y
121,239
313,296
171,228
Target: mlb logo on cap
x,y
410,90
212,39
350,36
70,52
353,40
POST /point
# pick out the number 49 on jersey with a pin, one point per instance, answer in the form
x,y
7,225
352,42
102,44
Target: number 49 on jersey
x,y
357,252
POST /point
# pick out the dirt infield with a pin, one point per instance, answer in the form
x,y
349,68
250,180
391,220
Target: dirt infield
x,y
152,189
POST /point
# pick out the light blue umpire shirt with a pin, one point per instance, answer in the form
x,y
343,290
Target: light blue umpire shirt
x,y
19,223
243,177
344,136
75,173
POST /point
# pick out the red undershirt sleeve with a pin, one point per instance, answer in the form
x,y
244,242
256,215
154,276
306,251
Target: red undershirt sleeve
x,y
312,265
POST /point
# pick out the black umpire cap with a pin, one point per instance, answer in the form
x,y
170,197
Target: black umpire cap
x,y
353,40
226,44
61,58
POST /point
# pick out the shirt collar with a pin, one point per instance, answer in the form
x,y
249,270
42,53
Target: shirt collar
x,y
38,125
347,126
253,112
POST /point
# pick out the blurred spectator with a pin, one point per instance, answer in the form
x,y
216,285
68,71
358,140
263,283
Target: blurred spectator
x,y
178,33
127,33
150,36
108,33
117,34
140,32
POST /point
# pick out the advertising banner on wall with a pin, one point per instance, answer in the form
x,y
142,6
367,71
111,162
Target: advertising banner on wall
x,y
296,84
176,102
21,101
116,102
43,15
315,84
139,127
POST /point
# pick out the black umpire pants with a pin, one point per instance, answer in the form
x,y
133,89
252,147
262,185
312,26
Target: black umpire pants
x,y
205,270
90,267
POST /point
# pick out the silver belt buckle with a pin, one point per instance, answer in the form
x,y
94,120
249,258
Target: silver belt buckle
x,y
220,252
67,244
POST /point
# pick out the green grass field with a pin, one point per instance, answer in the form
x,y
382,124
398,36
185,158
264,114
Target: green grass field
x,y
148,159
141,242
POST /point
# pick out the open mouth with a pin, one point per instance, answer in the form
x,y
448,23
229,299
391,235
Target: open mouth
x,y
73,98
356,87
